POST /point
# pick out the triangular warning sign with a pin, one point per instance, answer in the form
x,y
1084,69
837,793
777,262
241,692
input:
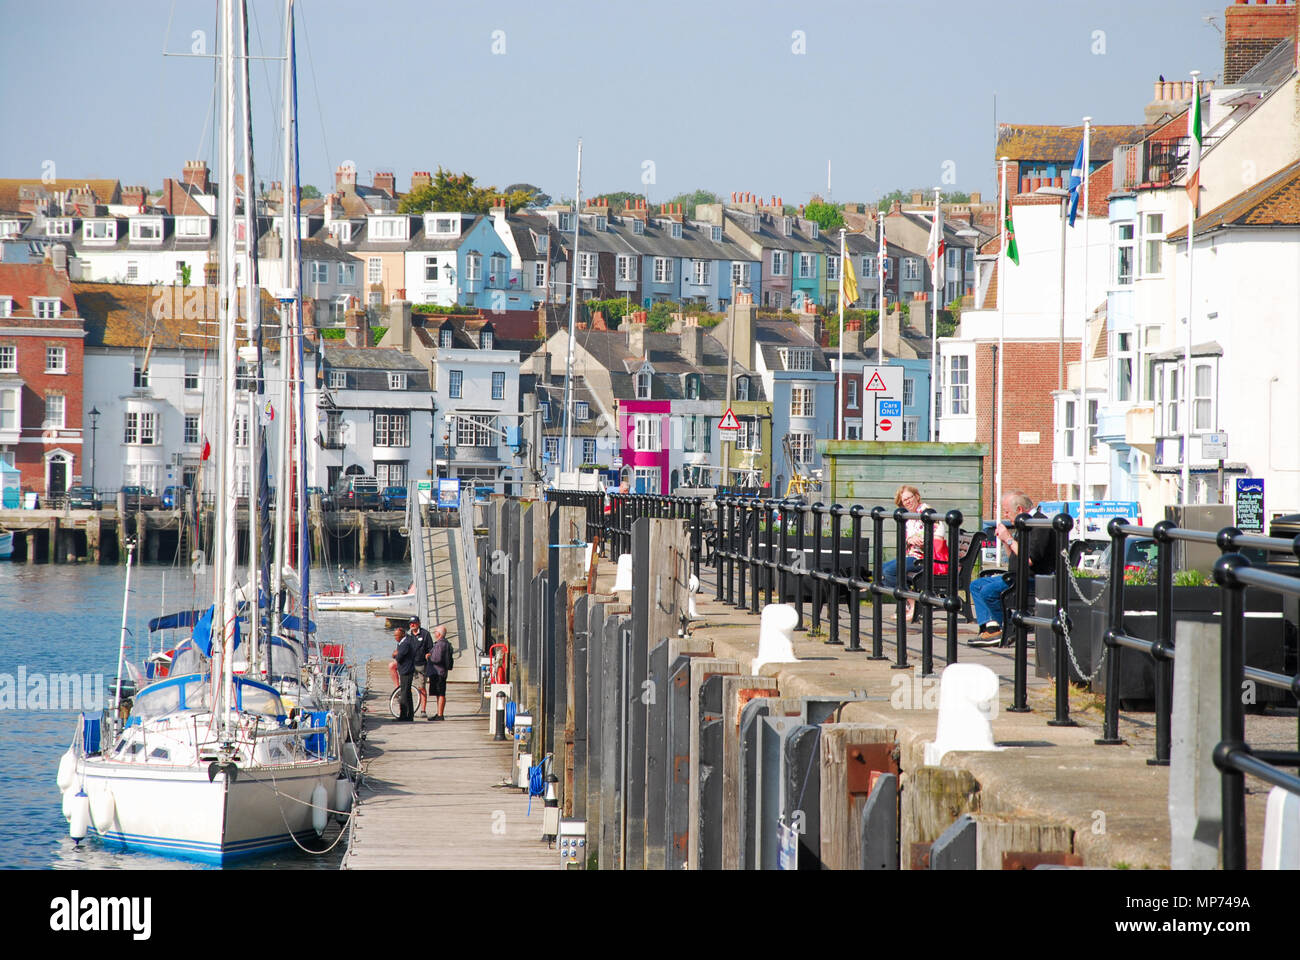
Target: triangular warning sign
x,y
729,421
875,383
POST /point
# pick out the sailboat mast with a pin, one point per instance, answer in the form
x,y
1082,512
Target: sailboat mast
x,y
288,262
304,545
565,457
254,336
227,610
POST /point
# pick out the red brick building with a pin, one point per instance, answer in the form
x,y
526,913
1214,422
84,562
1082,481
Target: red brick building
x,y
41,367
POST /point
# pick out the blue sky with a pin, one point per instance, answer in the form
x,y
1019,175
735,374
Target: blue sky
x,y
713,94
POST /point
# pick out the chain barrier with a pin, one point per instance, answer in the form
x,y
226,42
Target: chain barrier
x,y
1064,621
1075,583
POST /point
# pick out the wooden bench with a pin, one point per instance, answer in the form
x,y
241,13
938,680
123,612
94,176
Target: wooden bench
x,y
968,549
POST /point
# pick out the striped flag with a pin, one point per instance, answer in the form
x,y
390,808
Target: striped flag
x,y
1194,152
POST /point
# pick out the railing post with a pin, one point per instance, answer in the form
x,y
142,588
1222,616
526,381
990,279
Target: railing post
x,y
758,513
952,603
783,561
927,591
1162,651
1020,679
769,509
742,548
1061,525
719,531
900,579
855,593
697,532
877,595
817,510
801,566
1232,730
1110,725
731,556
833,595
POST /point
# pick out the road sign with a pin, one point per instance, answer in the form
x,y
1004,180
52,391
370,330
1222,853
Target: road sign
x,y
617,461
885,425
1214,446
1250,504
891,408
886,379
728,421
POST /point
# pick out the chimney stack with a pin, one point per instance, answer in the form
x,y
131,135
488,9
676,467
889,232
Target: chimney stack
x,y
636,337
399,318
693,341
345,178
357,329
196,175
386,182
421,179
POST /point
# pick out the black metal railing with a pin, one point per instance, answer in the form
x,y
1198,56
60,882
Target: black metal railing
x,y
1022,617
609,517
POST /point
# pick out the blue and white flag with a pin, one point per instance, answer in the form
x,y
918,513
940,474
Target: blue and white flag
x,y
1076,183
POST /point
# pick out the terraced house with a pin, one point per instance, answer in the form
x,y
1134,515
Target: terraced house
x,y
791,250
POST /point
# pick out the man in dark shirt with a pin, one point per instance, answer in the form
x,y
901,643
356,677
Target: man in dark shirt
x,y
423,642
986,592
440,662
405,655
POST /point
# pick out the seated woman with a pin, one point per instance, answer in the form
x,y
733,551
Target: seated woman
x,y
909,498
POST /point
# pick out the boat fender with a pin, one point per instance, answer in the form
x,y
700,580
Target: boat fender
x,y
67,770
79,824
342,799
319,815
67,802
350,759
102,810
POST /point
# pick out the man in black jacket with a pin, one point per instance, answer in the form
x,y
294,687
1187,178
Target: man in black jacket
x,y
986,592
423,642
405,655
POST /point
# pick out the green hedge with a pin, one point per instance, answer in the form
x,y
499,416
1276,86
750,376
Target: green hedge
x,y
440,308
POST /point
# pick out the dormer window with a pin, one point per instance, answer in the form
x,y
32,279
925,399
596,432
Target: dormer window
x,y
442,225
643,379
444,337
541,243
9,228
192,228
692,386
813,227
602,224
389,228
742,388
677,231
341,230
787,226
581,411
638,228
796,358
99,231
397,381
485,339
564,222
146,231
58,228
46,308
715,234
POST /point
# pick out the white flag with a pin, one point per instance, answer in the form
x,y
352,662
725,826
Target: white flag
x,y
934,250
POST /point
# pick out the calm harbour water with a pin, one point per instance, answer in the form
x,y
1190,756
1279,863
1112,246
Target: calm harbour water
x,y
64,619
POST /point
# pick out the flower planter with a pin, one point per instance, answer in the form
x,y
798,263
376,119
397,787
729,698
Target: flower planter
x,y
1268,634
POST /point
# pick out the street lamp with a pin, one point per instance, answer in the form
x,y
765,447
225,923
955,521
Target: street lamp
x,y
94,414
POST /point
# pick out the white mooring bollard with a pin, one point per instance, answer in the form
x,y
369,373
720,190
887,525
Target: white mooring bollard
x,y
968,701
1281,831
623,580
776,636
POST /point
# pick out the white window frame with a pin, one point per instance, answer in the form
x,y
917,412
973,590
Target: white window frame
x,y
909,391
911,268
780,263
1125,245
55,403
375,269
396,381
663,270
46,308
389,228
476,431
801,446
807,266
392,429
337,379
61,227
911,428
581,410
644,384
430,269
832,267
645,434
319,271
851,392
552,448
56,359
498,385
1153,241
739,274
701,272
99,231
588,450
445,337
347,274
485,339
1204,400
8,358
957,370
193,228
587,266
455,384
191,434
146,230
803,402
473,267
539,275
627,268
742,387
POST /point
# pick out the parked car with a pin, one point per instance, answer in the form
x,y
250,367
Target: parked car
x,y
83,498
173,498
356,492
394,498
140,498
1139,554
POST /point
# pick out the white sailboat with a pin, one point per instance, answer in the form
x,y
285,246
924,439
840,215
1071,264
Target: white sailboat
x,y
209,765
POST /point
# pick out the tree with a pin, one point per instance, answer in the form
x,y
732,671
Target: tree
x,y
692,199
309,192
825,215
451,191
957,196
537,197
618,201
660,316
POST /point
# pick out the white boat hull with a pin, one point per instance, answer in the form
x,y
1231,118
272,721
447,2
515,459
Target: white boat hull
x,y
363,602
6,545
178,812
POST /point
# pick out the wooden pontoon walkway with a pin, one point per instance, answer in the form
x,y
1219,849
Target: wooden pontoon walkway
x,y
429,800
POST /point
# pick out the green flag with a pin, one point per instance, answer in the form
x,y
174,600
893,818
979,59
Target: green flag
x,y
1013,254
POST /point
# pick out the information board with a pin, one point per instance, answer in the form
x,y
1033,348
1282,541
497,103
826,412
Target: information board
x,y
1250,504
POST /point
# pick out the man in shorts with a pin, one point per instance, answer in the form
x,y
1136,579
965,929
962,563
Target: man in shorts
x,y
422,642
439,660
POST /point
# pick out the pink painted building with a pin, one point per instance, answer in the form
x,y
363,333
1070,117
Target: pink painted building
x,y
645,447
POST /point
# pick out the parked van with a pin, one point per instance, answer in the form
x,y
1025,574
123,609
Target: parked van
x,y
356,492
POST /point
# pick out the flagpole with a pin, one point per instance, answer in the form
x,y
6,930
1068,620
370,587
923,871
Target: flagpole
x,y
1083,346
934,319
1002,333
839,406
1192,171
881,304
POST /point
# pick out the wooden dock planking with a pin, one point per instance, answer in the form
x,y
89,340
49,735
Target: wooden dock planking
x,y
429,800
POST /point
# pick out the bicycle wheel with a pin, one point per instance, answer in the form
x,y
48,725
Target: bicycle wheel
x,y
395,702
